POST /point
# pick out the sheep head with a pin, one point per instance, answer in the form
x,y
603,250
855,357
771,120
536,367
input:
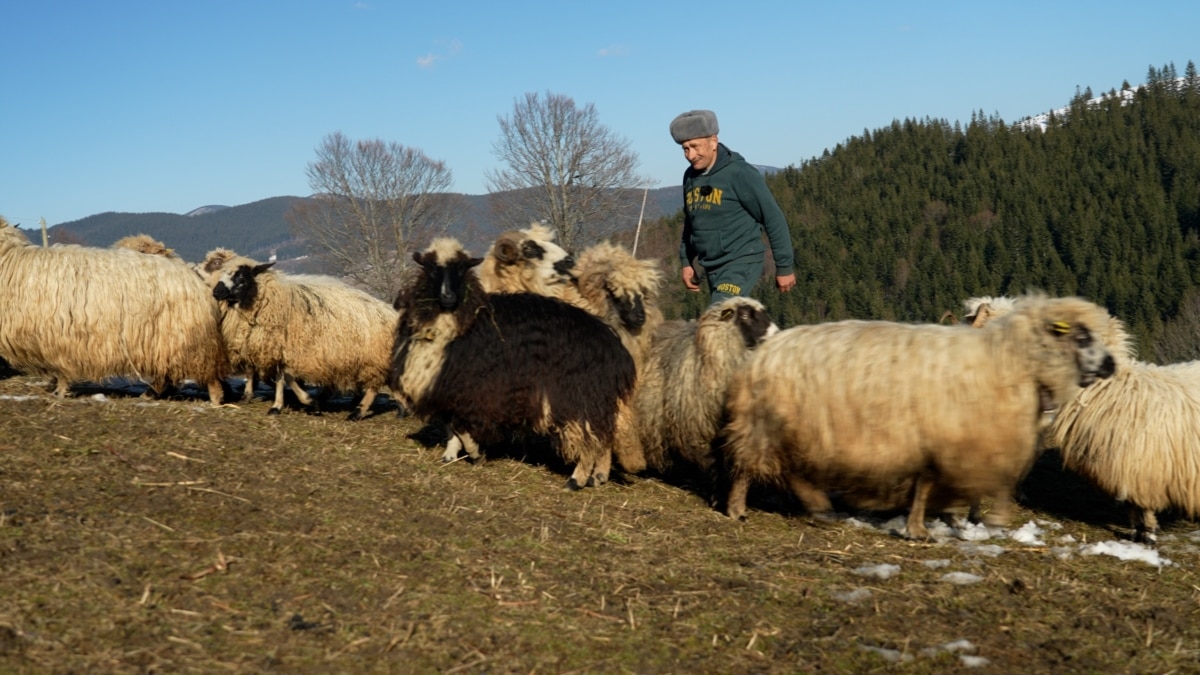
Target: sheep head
x,y
526,260
980,311
442,284
238,286
1059,325
608,276
748,317
144,243
11,235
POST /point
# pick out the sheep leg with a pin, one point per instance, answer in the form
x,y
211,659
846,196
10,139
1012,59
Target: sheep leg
x,y
735,503
815,501
453,446
581,476
60,386
915,527
470,446
1145,524
305,400
277,406
603,466
1001,510
216,392
630,454
364,406
248,390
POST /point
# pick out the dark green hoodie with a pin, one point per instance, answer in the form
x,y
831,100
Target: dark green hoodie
x,y
724,210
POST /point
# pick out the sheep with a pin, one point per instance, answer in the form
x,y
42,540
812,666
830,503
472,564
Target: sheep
x,y
526,261
606,281
1134,434
301,327
680,398
81,313
610,283
890,414
518,261
144,243
496,364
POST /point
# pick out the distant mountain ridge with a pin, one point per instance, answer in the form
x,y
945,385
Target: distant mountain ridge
x,y
260,229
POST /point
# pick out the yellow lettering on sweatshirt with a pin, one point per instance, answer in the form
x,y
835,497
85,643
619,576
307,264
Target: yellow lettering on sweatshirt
x,y
696,196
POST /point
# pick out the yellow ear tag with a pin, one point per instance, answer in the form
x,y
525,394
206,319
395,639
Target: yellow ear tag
x,y
1060,328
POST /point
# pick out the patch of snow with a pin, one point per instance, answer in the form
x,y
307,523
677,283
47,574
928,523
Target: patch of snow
x,y
856,595
989,550
889,655
952,647
936,564
101,398
7,397
1126,550
883,571
961,578
972,661
1028,534
1062,552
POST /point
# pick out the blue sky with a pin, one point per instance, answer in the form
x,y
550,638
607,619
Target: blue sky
x,y
170,105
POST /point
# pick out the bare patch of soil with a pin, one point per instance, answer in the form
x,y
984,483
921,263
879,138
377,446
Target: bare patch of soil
x,y
168,535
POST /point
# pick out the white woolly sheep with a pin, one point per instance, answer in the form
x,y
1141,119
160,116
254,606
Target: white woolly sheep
x,y
494,364
1133,435
301,327
888,414
144,243
680,397
77,313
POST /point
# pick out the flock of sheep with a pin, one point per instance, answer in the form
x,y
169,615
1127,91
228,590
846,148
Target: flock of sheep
x,y
530,340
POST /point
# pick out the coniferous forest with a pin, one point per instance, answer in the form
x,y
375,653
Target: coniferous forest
x,y
905,222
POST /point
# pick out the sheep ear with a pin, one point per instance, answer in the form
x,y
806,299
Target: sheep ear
x,y
727,314
473,262
417,257
1060,327
259,269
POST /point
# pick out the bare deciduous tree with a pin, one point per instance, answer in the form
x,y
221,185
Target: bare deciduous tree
x,y
373,203
564,168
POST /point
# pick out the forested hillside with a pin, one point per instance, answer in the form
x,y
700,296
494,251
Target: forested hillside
x,y
906,221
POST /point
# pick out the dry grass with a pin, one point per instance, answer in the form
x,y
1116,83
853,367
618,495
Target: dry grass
x,y
170,536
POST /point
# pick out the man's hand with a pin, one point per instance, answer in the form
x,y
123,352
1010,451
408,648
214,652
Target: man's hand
x,y
786,284
689,279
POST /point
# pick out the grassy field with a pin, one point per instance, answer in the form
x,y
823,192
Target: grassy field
x,y
170,536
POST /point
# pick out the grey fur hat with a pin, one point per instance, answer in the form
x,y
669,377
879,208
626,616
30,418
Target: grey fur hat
x,y
694,124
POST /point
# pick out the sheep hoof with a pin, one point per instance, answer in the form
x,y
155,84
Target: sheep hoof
x,y
274,411
1146,537
354,417
922,536
597,479
823,517
573,485
313,412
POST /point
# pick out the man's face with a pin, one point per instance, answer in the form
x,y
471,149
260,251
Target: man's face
x,y
700,152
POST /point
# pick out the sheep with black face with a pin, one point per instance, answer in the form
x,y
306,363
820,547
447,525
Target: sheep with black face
x,y
302,327
492,365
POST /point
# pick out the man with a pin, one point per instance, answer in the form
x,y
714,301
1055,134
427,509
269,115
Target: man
x,y
725,205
